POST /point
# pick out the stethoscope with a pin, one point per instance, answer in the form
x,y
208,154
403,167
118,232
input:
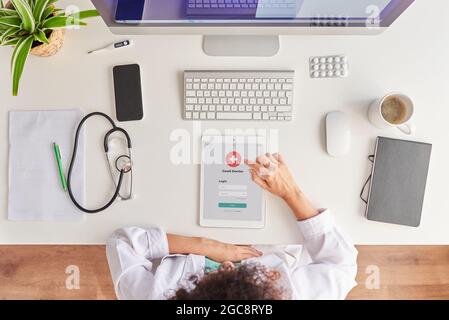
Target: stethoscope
x,y
123,164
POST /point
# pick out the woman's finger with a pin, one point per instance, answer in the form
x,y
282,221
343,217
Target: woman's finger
x,y
279,157
264,161
249,163
257,252
272,159
258,180
250,248
253,165
248,254
264,173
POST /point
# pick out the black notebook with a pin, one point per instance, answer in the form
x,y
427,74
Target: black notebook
x,y
398,181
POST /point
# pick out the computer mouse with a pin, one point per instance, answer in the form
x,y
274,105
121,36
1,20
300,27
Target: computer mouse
x,y
338,134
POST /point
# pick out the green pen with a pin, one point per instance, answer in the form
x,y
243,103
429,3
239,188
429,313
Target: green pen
x,y
60,169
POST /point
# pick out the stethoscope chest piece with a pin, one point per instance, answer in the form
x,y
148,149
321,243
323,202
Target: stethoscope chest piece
x,y
121,163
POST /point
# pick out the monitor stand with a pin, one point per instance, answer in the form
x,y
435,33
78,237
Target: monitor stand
x,y
241,46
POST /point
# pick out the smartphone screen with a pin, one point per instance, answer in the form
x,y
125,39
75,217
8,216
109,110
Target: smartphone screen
x,y
129,10
128,92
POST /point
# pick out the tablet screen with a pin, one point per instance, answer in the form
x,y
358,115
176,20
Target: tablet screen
x,y
229,196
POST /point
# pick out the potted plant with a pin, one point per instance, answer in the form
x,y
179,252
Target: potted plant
x,y
36,27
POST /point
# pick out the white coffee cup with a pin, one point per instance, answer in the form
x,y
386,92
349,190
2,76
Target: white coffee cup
x,y
394,110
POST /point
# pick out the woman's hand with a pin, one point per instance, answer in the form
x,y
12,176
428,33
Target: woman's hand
x,y
214,250
272,174
221,252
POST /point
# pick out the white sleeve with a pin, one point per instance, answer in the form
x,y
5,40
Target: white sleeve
x,y
130,252
331,275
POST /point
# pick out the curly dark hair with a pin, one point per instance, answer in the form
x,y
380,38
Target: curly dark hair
x,y
246,282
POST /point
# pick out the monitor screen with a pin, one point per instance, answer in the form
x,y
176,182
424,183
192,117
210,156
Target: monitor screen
x,y
332,13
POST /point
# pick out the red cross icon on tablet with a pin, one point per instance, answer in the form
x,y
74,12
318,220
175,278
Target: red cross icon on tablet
x,y
233,159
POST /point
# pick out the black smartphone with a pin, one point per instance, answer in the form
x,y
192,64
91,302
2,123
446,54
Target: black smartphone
x,y
128,92
129,10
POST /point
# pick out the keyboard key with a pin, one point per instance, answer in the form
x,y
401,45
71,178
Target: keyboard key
x,y
283,109
188,115
234,116
211,115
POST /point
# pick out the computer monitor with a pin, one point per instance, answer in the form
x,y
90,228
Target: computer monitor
x,y
249,27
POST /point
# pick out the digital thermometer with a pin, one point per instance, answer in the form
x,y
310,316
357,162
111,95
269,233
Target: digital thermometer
x,y
113,46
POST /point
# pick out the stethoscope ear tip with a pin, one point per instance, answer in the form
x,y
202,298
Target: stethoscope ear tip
x,y
132,197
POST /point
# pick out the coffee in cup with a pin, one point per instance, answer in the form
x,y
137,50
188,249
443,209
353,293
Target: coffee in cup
x,y
393,110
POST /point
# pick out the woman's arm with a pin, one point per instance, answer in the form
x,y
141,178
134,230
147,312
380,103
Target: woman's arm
x,y
215,250
334,258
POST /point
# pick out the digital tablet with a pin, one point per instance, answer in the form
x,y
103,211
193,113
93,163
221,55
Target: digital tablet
x,y
229,198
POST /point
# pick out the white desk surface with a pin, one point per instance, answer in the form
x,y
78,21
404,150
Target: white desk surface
x,y
412,57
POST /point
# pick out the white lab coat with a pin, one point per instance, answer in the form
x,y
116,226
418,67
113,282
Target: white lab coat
x,y
324,267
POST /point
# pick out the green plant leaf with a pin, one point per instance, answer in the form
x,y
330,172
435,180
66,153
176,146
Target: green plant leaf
x,y
8,12
25,13
40,36
18,60
8,33
1,4
85,14
47,12
11,42
38,9
10,21
61,22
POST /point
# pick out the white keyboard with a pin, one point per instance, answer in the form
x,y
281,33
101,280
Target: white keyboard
x,y
238,95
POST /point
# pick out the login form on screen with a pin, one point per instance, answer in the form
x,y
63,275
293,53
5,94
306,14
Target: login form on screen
x,y
228,191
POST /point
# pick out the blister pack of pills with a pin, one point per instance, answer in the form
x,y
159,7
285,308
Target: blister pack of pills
x,y
329,66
